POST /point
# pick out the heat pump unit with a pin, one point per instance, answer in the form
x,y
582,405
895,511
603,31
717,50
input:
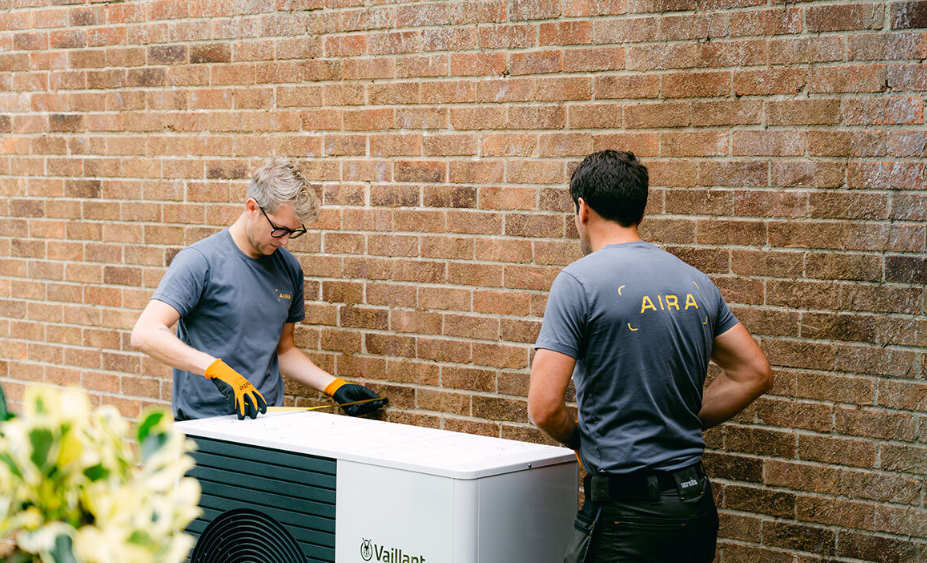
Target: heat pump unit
x,y
315,487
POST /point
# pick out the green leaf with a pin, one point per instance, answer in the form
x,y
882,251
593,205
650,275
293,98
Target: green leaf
x,y
141,537
96,472
8,460
5,414
63,552
152,420
42,441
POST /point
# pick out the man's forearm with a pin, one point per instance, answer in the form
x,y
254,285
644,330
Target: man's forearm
x,y
560,426
163,345
298,367
724,398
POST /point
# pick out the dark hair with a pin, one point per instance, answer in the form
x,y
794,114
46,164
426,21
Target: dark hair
x,y
613,184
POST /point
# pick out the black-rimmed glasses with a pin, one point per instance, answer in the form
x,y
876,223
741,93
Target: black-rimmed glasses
x,y
280,232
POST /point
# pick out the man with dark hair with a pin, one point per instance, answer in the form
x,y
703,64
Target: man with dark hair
x,y
636,327
236,297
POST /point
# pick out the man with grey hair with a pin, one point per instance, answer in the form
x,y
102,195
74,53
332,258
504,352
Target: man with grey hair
x,y
236,297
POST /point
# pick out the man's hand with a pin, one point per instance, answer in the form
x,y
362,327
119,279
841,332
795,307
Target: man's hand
x,y
241,397
343,392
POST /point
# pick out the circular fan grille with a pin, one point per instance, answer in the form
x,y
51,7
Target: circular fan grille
x,y
246,536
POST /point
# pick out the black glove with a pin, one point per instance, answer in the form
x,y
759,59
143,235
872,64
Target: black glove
x,y
343,392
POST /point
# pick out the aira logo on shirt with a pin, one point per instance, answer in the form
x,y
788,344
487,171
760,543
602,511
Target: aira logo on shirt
x,y
281,295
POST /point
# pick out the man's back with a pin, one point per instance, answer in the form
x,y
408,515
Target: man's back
x,y
640,323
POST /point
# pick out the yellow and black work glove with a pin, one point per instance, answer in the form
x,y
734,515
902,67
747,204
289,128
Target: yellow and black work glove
x,y
343,392
241,397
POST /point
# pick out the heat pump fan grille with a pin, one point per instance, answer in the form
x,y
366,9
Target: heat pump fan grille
x,y
246,536
296,490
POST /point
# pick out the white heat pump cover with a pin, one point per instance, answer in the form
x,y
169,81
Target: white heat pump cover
x,y
411,448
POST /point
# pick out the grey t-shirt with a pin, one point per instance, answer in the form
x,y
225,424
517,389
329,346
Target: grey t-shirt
x,y
640,324
232,307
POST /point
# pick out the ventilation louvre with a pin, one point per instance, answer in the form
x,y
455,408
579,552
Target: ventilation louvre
x,y
246,536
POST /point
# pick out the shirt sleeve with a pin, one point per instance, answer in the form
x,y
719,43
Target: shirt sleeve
x,y
565,317
725,319
298,305
185,280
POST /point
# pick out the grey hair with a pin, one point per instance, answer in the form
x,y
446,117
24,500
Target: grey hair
x,y
278,183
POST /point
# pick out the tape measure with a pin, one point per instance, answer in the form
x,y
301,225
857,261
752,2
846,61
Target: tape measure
x,y
293,409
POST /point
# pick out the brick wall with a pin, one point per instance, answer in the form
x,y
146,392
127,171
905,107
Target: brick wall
x,y
785,144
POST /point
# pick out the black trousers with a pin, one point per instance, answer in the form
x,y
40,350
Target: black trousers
x,y
666,530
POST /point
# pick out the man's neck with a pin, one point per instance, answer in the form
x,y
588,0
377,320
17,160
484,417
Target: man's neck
x,y
240,238
610,232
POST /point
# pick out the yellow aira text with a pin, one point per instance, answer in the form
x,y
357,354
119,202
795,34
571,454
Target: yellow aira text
x,y
667,303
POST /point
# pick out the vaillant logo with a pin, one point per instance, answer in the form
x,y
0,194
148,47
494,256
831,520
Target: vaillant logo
x,y
383,554
366,550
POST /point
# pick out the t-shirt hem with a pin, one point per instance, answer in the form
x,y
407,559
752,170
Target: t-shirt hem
x,y
557,347
170,301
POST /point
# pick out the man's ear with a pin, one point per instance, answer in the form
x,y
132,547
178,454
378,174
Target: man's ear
x,y
582,211
250,206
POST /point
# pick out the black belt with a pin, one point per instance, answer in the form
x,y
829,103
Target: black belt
x,y
644,485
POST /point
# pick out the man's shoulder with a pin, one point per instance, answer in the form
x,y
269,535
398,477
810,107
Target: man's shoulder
x,y
201,253
288,259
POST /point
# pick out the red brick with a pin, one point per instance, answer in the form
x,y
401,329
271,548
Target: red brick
x,y
851,78
846,143
594,59
592,116
534,172
565,144
661,57
696,84
908,15
505,90
694,144
477,118
895,46
392,43
450,145
536,117
561,89
447,92
803,112
369,69
805,50
507,36
476,172
737,53
573,32
423,15
395,145
535,62
627,30
768,143
694,27
816,174
477,64
420,171
776,21
656,115
508,144
739,112
906,144
847,206
530,10
448,39
883,111
844,17
634,86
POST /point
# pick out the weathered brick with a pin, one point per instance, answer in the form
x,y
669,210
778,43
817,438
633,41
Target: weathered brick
x,y
844,17
657,115
852,78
